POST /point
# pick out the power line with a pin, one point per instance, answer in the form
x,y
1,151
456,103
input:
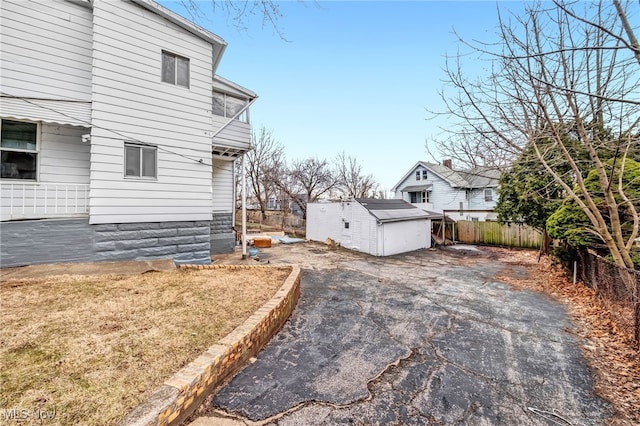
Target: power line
x,y
124,137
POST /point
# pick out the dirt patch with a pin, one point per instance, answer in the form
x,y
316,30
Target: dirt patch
x,y
609,351
90,348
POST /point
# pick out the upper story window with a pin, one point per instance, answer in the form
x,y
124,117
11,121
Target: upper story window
x,y
421,174
19,148
488,194
418,175
419,197
140,161
175,69
424,175
228,106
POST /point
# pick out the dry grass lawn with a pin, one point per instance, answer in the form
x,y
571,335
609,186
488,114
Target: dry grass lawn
x,y
90,348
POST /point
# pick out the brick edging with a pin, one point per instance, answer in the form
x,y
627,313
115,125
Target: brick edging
x,y
180,395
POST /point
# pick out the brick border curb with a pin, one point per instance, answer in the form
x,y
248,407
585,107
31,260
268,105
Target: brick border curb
x,y
181,394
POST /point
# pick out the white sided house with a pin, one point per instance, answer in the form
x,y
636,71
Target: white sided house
x,y
458,194
376,227
118,138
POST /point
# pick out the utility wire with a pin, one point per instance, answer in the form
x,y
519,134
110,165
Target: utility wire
x,y
124,137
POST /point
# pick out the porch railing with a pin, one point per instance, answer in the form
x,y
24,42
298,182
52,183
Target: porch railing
x,y
37,200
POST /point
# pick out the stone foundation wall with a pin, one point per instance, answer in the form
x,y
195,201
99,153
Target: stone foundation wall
x,y
33,242
222,239
185,242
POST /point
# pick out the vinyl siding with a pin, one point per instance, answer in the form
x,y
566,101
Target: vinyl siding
x,y
64,158
131,103
222,201
477,202
46,49
236,135
443,196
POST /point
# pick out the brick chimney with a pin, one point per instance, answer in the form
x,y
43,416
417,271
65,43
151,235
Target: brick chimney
x,y
447,163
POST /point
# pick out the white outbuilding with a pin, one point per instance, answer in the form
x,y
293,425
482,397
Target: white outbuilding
x,y
376,227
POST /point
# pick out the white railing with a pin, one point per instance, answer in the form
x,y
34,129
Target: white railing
x,y
37,200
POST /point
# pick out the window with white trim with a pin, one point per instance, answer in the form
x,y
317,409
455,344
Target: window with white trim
x,y
140,161
19,150
175,69
228,106
424,175
488,194
419,197
417,174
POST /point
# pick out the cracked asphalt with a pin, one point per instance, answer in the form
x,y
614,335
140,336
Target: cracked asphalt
x,y
428,337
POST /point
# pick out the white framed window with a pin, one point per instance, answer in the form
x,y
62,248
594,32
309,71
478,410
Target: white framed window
x,y
19,150
418,175
419,197
140,161
175,69
488,194
228,106
424,175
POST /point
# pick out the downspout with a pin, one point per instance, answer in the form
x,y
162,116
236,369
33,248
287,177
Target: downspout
x,y
244,108
244,209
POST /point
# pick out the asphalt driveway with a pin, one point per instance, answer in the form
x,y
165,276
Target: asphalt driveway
x,y
430,337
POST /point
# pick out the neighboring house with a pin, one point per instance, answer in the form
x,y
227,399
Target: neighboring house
x,y
376,227
459,194
115,124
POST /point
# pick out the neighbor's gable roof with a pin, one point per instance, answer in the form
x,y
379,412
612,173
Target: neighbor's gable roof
x,y
481,177
392,210
218,43
478,178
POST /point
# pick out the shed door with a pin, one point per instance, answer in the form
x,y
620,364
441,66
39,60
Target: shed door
x,y
400,237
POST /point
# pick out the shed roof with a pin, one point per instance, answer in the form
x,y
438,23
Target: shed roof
x,y
394,210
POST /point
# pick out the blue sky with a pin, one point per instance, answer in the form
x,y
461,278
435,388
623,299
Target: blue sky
x,y
351,76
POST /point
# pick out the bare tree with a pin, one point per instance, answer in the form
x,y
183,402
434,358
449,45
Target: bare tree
x,y
351,182
564,79
305,181
264,162
239,12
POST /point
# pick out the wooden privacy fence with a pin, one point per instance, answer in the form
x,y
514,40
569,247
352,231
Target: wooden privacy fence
x,y
494,233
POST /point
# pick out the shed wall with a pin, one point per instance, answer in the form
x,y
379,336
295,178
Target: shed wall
x,y
405,236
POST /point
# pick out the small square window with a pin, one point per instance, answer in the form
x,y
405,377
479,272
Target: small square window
x,y
140,161
346,225
175,69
